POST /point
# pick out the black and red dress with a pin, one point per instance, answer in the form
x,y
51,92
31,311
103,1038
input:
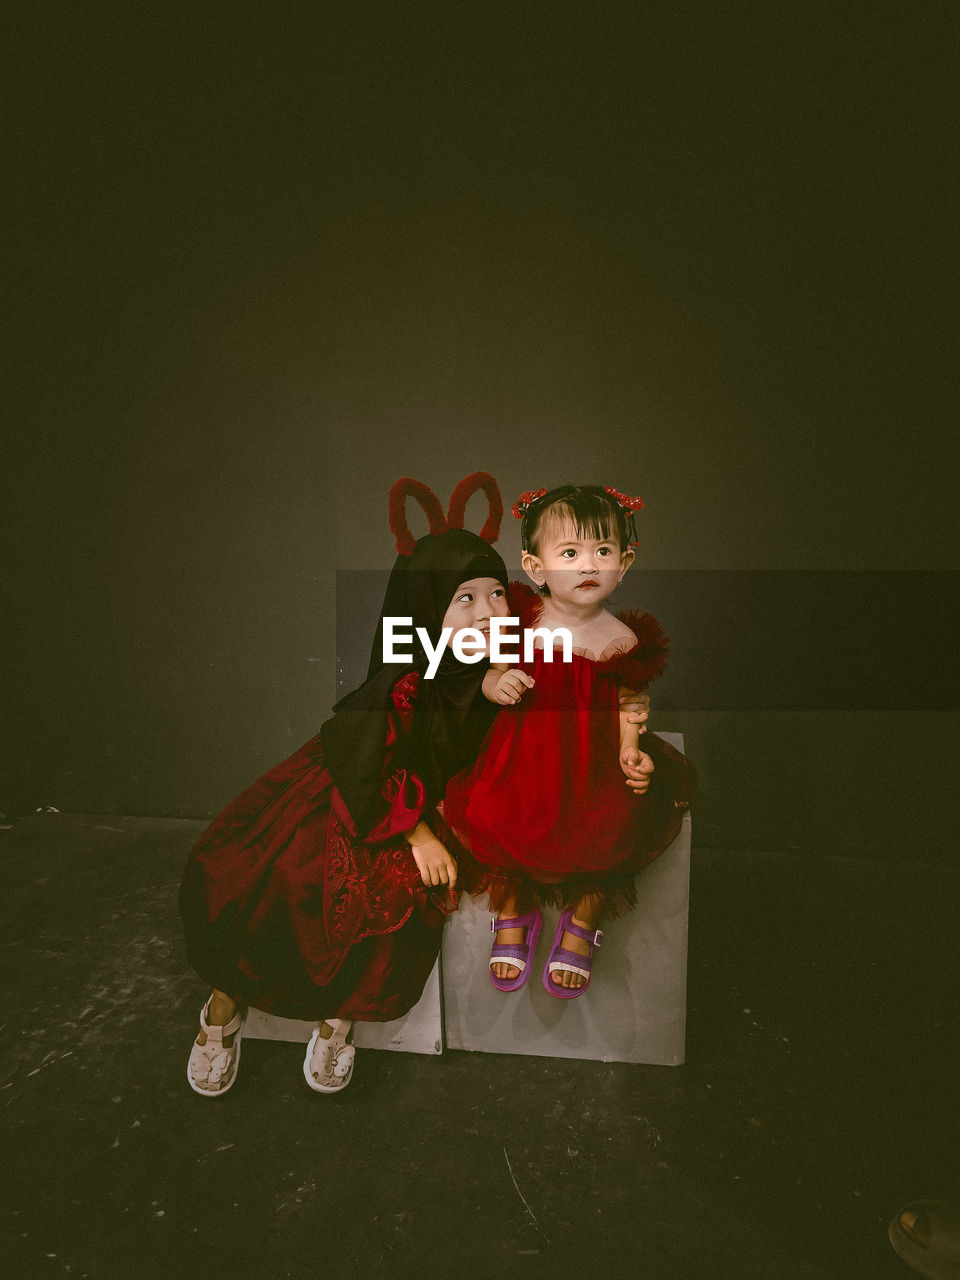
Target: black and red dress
x,y
302,898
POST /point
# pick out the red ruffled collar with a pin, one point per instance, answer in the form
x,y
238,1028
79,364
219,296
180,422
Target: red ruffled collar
x,y
636,668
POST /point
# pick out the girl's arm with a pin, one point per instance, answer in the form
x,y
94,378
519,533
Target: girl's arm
x,y
506,685
636,706
629,732
434,860
491,680
636,764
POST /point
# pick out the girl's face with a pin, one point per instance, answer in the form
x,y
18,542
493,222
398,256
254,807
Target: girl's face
x,y
474,603
581,569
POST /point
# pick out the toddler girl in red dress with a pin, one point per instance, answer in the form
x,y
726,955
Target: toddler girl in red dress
x,y
562,805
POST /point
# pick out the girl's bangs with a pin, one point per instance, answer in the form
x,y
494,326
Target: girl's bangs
x,y
587,518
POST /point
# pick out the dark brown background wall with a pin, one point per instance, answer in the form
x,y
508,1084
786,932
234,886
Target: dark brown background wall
x,y
264,262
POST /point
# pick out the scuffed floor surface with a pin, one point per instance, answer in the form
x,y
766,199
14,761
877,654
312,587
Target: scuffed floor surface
x,y
820,1093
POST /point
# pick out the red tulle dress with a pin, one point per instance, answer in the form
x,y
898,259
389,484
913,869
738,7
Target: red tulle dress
x,y
287,909
545,812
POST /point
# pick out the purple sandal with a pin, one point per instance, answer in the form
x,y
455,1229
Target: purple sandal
x,y
561,958
519,954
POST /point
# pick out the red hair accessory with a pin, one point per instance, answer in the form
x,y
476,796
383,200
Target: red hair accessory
x,y
525,502
631,506
462,494
628,504
437,521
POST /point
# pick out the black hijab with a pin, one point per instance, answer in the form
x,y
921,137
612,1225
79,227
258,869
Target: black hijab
x,y
450,714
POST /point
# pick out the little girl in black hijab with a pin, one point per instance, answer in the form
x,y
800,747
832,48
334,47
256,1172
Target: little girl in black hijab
x,y
315,894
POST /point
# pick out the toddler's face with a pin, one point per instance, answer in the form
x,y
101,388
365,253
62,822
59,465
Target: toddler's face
x,y
474,603
580,569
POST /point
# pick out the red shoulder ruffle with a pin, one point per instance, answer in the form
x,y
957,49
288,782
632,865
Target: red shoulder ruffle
x,y
525,604
634,669
648,660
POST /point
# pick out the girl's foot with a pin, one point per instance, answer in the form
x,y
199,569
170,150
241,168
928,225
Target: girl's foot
x,y
510,937
215,1055
569,965
567,978
513,947
328,1063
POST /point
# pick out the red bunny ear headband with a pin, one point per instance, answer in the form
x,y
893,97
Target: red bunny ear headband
x,y
629,506
438,522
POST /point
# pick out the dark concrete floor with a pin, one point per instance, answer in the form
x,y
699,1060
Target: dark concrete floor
x,y
819,1093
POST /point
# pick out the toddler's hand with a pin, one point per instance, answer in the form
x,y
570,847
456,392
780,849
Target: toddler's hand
x,y
511,687
435,863
637,707
637,766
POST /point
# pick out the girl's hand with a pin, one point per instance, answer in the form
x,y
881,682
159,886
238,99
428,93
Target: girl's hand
x,y
511,687
635,707
637,766
435,863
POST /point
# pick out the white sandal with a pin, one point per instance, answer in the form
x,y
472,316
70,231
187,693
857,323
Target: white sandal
x,y
211,1067
331,1059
